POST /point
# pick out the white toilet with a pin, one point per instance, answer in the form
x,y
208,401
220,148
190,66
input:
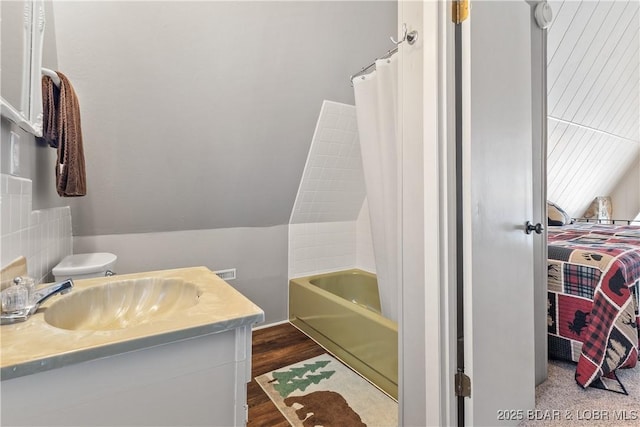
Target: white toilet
x,y
85,266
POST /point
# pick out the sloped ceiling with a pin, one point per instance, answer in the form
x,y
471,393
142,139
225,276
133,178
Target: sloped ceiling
x,y
199,114
593,86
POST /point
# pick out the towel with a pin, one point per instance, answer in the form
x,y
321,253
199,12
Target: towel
x,y
50,97
61,130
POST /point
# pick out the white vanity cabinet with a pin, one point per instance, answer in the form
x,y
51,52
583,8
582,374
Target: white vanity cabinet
x,y
196,381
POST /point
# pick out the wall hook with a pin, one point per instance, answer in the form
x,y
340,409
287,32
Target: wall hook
x,y
410,37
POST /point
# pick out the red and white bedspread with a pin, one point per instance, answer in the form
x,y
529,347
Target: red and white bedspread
x,y
593,319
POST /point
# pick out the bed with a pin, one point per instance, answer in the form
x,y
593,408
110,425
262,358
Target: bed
x,y
593,283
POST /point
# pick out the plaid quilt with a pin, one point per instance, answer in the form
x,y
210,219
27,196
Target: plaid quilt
x,y
593,319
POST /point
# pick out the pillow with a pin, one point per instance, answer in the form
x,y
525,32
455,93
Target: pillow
x,y
556,215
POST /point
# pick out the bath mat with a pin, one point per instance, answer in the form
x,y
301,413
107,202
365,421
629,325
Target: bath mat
x,y
321,391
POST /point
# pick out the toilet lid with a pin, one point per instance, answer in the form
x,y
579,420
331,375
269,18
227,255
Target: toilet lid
x,y
84,264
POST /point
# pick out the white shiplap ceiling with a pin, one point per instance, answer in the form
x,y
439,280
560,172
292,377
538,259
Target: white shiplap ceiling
x,y
593,81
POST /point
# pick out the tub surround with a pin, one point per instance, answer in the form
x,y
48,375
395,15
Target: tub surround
x,y
189,366
329,228
35,346
332,185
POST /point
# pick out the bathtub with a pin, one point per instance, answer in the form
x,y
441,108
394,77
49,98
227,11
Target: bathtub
x,y
341,311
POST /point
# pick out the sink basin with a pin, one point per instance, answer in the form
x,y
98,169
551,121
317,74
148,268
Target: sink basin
x,y
122,304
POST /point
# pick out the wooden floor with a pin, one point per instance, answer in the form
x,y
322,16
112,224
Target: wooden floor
x,y
273,348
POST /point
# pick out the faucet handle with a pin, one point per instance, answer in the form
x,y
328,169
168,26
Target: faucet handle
x,y
14,299
28,283
18,297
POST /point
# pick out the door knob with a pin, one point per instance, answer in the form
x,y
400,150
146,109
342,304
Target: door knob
x,y
538,228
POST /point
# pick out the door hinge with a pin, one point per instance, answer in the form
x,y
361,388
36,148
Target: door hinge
x,y
460,11
463,384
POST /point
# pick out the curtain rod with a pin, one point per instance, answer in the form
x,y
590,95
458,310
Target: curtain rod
x,y
373,64
409,37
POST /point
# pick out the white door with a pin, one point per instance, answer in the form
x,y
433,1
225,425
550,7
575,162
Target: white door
x,y
497,201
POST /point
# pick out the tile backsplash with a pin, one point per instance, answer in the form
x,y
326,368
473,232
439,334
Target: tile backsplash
x,y
42,236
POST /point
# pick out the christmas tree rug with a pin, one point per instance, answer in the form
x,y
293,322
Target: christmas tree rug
x,y
321,391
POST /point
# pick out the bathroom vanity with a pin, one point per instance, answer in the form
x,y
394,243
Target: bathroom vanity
x,y
184,359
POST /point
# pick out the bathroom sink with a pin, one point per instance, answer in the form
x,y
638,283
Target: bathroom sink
x,y
122,304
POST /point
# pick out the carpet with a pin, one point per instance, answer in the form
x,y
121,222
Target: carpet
x,y
560,401
321,391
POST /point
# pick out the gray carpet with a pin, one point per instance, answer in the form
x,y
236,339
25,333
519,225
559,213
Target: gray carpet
x,y
565,403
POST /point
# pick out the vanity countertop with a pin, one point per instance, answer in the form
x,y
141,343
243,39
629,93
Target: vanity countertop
x,y
34,345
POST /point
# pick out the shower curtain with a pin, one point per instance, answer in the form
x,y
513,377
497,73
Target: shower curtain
x,y
376,98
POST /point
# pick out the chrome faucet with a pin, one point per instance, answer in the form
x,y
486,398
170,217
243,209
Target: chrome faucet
x,y
19,302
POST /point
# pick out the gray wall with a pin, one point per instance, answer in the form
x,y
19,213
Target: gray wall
x,y
197,118
199,115
259,255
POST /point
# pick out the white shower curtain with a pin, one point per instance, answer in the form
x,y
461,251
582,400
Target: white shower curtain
x,y
376,98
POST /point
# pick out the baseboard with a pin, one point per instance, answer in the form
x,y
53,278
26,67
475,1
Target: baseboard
x,y
282,322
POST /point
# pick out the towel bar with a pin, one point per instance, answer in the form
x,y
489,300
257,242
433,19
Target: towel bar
x,y
54,77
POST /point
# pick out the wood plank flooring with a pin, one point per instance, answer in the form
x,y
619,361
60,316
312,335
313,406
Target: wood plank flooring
x,y
273,348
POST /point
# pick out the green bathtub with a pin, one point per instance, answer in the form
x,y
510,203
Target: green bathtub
x,y
341,311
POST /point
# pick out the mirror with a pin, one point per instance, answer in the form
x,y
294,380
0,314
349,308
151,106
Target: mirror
x,y
22,37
